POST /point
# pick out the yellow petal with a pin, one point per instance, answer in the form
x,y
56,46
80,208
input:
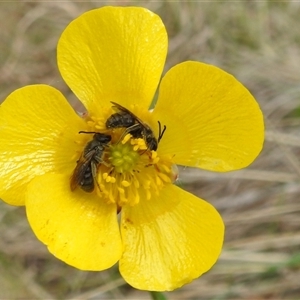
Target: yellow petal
x,y
212,120
37,129
78,228
169,241
113,54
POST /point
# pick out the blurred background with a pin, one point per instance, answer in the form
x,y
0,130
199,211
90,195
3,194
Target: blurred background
x,y
259,43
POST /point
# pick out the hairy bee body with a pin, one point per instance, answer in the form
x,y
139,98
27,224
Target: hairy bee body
x,y
120,119
134,125
85,171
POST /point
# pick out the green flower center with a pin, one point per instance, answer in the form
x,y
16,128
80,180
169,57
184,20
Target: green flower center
x,y
127,170
131,172
123,158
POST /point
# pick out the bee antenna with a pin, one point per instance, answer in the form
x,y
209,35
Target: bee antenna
x,y
161,132
87,132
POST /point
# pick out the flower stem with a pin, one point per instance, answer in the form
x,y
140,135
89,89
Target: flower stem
x,y
158,296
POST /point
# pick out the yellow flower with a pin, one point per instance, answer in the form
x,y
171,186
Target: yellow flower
x,y
166,236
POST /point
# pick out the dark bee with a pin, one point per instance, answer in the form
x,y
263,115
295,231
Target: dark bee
x,y
86,169
134,125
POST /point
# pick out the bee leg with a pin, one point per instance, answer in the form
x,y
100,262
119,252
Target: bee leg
x,y
128,130
103,162
95,173
111,170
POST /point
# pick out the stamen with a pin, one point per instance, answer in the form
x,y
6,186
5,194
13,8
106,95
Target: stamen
x,y
134,172
125,183
98,127
128,172
126,138
90,123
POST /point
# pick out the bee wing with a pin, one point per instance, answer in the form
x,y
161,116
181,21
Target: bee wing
x,y
82,164
121,108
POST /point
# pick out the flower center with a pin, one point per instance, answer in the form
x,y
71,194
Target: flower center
x,y
132,172
123,158
127,170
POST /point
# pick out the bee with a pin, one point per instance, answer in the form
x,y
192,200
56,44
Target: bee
x,y
85,171
134,125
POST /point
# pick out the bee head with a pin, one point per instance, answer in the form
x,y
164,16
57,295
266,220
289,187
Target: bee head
x,y
102,138
151,142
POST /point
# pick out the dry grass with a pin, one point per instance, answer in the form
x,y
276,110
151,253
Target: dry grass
x,y
258,42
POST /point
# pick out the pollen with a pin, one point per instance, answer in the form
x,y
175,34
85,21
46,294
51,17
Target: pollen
x,y
126,170
132,173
